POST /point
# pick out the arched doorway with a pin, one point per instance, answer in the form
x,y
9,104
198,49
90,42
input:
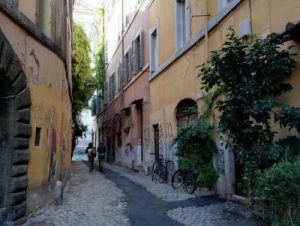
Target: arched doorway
x,y
186,112
15,132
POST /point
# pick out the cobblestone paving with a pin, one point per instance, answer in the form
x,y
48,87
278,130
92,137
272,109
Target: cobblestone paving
x,y
211,215
221,214
89,199
162,191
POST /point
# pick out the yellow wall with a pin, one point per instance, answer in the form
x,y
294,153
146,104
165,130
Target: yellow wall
x,y
50,110
180,80
162,14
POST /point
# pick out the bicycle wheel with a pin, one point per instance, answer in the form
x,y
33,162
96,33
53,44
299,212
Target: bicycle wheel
x,y
190,182
155,171
159,174
177,179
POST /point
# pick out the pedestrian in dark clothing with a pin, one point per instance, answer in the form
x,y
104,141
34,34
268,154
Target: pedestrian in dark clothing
x,y
101,155
91,155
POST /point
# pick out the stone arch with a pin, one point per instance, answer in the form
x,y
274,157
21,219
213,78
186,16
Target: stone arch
x,y
186,112
15,131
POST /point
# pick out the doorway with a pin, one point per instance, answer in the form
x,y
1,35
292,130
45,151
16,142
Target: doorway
x,y
15,132
156,142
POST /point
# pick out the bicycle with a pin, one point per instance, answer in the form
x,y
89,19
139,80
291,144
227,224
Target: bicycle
x,y
160,170
186,178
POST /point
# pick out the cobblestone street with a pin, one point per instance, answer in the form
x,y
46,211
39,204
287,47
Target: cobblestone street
x,y
89,199
112,199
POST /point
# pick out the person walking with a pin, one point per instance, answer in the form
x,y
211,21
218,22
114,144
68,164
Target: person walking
x,y
91,155
101,155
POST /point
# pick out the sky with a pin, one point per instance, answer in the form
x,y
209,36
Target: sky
x,y
84,14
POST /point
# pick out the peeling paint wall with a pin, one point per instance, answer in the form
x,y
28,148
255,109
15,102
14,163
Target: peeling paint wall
x,y
50,111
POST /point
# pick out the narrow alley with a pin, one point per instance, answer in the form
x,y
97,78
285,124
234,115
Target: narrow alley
x,y
123,197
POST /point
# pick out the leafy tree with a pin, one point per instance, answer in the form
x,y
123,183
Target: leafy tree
x,y
99,56
82,80
250,73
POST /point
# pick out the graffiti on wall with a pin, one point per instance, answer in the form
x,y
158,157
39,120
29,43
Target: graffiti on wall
x,y
51,148
166,132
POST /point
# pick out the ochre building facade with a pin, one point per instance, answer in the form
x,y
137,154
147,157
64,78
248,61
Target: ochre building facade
x,y
35,102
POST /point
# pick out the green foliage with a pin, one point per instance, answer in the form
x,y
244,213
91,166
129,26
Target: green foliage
x,y
99,56
82,81
289,117
277,193
250,73
206,175
195,148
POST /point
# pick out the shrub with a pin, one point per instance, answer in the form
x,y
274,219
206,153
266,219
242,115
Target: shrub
x,y
206,175
195,148
277,193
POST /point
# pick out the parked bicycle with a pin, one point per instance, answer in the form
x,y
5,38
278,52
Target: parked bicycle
x,y
186,178
160,170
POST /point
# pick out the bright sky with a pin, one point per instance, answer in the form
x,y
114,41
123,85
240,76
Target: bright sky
x,y
84,14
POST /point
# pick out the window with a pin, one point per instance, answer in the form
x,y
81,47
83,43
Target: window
x,y
111,89
120,82
181,22
126,68
106,92
138,53
153,51
186,112
37,139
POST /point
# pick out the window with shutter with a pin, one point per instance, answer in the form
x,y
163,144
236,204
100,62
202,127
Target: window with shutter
x,y
141,51
110,88
134,57
126,67
153,51
113,85
182,22
130,66
119,76
106,92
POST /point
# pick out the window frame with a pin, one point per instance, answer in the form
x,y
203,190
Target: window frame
x,y
182,23
154,56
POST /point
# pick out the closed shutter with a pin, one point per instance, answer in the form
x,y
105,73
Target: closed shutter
x,y
110,88
130,65
113,85
134,57
127,67
141,51
105,92
119,76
